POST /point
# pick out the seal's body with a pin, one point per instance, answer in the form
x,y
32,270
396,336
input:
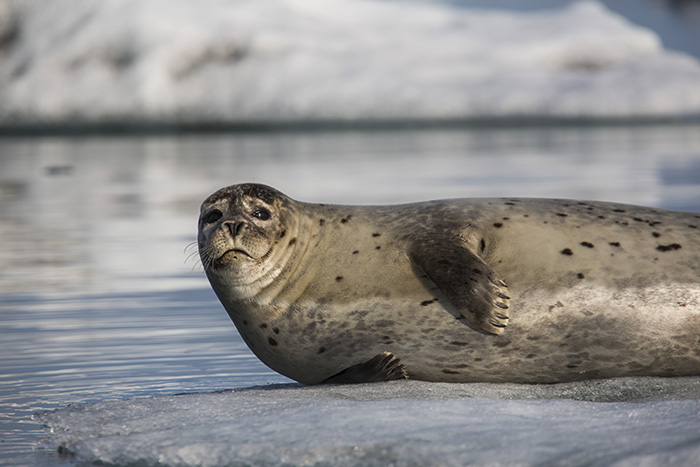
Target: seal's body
x,y
325,293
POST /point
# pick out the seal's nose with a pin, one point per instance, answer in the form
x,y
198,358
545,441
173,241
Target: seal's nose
x,y
235,228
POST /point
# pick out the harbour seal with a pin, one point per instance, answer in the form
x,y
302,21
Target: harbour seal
x,y
465,290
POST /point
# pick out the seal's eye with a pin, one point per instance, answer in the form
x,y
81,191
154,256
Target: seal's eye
x,y
261,213
212,216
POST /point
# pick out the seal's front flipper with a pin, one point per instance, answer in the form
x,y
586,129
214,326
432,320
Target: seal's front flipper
x,y
383,367
470,284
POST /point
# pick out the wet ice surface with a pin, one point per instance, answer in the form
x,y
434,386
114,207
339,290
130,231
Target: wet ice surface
x,y
396,423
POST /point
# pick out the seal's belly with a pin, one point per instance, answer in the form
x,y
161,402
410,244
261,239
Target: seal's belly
x,y
555,336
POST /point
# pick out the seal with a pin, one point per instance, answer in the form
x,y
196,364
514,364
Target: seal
x,y
465,290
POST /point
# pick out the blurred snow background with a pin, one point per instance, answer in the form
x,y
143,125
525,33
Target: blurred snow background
x,y
217,61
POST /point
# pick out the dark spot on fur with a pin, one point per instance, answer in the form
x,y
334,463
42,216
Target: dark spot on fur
x,y
567,252
601,217
624,223
477,271
587,244
638,219
459,343
462,365
276,330
498,225
345,219
450,372
263,326
375,234
506,218
386,338
652,224
338,278
509,204
671,247
692,226
321,221
321,350
532,355
361,313
245,323
655,234
292,241
426,302
580,275
271,341
501,343
377,247
561,214
283,233
483,245
619,210
355,252
617,244
526,215
572,365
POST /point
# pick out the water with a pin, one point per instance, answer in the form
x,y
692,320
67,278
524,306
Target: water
x,y
99,301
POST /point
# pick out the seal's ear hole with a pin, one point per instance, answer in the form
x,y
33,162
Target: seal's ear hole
x,y
213,216
261,213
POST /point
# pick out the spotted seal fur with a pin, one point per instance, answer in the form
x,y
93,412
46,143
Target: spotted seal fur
x,y
500,290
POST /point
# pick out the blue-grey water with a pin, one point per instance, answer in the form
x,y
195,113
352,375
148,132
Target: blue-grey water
x,y
102,298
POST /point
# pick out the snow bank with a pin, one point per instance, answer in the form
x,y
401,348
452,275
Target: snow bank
x,y
399,423
291,60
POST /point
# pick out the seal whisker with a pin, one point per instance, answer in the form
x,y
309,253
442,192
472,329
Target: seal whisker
x,y
206,258
194,254
189,246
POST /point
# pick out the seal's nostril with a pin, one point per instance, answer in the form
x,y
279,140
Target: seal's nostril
x,y
235,228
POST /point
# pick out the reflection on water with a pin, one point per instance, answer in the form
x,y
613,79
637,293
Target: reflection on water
x,y
62,349
97,298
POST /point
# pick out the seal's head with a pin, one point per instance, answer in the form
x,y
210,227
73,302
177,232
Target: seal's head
x,y
241,232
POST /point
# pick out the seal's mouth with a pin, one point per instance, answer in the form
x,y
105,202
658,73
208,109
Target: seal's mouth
x,y
233,254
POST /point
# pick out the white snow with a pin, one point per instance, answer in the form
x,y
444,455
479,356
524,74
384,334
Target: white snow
x,y
400,423
291,60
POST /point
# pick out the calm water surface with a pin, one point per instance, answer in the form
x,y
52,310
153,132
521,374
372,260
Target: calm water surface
x,y
101,297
